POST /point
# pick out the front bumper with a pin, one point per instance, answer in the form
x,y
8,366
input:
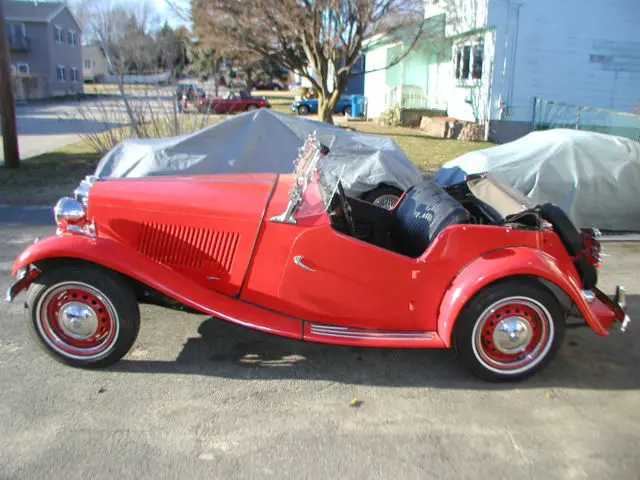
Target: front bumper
x,y
23,280
610,312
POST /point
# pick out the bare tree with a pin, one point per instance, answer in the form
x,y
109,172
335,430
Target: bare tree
x,y
320,39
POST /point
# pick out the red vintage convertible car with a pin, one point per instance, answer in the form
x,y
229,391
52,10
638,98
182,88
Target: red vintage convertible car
x,y
232,103
475,267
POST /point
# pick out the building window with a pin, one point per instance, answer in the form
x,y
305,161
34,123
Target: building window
x,y
16,30
58,34
468,61
87,64
61,73
22,68
73,38
74,75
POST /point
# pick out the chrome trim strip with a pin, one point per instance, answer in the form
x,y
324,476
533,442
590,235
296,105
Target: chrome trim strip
x,y
621,296
625,324
350,332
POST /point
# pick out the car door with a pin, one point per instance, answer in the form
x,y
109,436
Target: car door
x,y
336,279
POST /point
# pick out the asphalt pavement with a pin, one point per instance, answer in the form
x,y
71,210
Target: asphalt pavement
x,y
200,398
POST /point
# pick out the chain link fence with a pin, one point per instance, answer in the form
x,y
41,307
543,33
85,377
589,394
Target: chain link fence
x,y
548,114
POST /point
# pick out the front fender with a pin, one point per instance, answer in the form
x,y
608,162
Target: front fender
x,y
127,261
504,263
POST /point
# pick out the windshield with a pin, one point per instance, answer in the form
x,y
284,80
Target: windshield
x,y
314,186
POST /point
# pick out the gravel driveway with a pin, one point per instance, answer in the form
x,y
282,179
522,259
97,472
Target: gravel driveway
x,y
200,398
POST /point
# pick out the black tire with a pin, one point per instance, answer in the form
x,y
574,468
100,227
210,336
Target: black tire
x,y
303,110
251,108
563,226
346,111
382,196
523,300
95,292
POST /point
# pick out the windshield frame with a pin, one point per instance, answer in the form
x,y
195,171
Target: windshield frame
x,y
303,200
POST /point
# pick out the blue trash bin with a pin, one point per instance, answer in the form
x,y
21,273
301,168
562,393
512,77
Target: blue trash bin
x,y
357,105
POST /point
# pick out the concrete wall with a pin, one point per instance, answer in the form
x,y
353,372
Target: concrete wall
x,y
69,56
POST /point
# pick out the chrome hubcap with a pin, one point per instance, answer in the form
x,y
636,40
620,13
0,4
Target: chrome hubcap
x,y
78,320
512,335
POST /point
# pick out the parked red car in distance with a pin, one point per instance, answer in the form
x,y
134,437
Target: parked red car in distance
x,y
232,103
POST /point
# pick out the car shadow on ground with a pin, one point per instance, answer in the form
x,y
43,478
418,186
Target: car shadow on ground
x,y
585,361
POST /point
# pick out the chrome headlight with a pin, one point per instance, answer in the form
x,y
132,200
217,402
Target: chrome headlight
x,y
68,210
71,217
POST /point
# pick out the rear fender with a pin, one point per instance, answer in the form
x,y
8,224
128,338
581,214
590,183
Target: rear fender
x,y
500,265
108,253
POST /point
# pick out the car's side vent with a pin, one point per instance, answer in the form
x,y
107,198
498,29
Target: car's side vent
x,y
188,247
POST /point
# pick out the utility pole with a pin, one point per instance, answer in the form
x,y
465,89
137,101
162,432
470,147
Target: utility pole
x,y
7,105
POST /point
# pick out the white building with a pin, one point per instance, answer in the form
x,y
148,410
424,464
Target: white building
x,y
506,53
94,63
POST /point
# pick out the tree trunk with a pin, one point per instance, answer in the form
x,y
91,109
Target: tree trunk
x,y
7,105
326,104
216,74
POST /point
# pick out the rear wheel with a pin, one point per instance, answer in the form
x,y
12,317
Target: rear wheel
x,y
509,331
252,107
83,316
346,111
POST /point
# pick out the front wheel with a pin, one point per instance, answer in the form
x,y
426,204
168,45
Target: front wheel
x,y
303,110
509,331
83,316
251,108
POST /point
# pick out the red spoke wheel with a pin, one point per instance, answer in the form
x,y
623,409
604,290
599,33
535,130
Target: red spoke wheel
x,y
508,331
78,320
513,334
83,316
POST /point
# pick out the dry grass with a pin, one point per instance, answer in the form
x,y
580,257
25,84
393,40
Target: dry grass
x,y
428,153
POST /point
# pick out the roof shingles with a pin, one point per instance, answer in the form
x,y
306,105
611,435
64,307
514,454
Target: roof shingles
x,y
29,11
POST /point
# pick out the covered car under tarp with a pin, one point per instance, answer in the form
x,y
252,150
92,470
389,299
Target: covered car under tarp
x,y
264,142
593,177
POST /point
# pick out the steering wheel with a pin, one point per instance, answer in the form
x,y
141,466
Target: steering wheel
x,y
346,209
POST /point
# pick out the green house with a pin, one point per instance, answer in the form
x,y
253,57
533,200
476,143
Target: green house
x,y
414,83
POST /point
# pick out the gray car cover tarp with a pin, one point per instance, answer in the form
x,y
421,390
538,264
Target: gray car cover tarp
x,y
593,177
264,142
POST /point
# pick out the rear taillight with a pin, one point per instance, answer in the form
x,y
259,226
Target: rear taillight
x,y
590,246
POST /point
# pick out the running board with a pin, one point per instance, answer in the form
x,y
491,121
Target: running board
x,y
370,337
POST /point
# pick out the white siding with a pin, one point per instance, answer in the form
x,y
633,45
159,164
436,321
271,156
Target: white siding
x,y
374,82
553,44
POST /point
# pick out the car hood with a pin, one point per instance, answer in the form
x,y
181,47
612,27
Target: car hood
x,y
115,202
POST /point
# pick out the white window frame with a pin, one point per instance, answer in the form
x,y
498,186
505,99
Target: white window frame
x,y
10,26
21,64
59,38
458,68
74,37
84,64
60,68
75,75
